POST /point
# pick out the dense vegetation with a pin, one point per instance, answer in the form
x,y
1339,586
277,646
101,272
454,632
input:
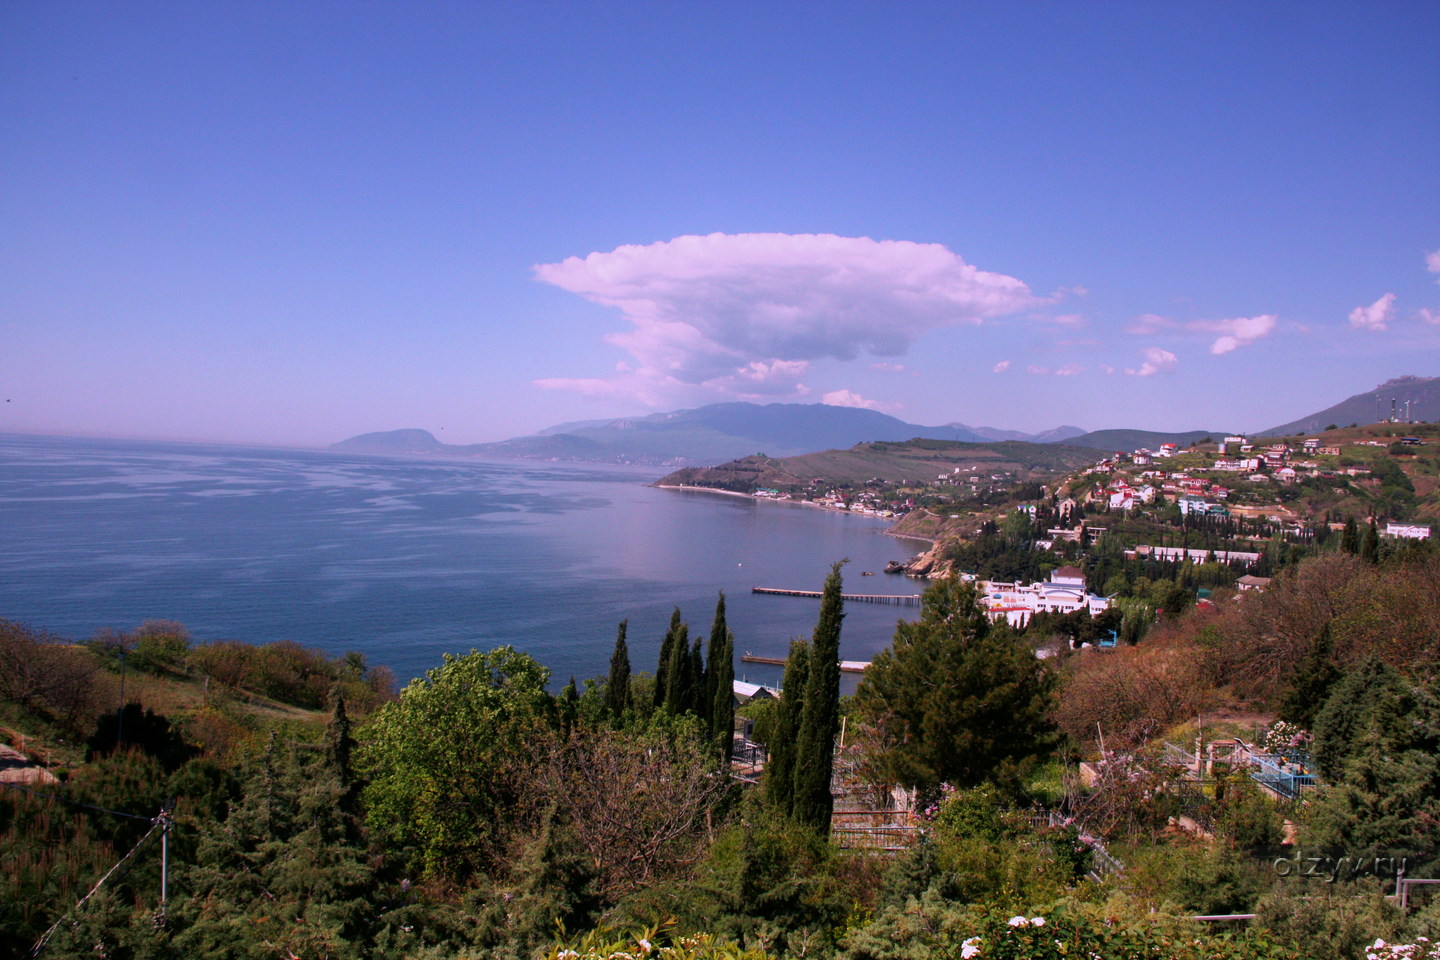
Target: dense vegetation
x,y
480,814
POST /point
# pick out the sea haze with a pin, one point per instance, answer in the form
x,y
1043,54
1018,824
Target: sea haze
x,y
406,560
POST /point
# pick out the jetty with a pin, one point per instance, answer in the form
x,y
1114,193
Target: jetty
x,y
900,600
846,666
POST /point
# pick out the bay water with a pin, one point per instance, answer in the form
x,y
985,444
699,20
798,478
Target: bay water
x,y
407,559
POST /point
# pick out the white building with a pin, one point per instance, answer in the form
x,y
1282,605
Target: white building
x,y
1064,592
1410,531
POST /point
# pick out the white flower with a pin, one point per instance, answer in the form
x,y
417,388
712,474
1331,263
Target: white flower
x,y
1018,922
970,948
1037,921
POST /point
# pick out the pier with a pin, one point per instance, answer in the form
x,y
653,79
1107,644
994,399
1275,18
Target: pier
x,y
846,666
899,600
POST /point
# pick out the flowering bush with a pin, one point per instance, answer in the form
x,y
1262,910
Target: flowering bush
x,y
1285,737
1422,949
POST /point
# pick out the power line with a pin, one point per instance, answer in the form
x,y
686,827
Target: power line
x,y
76,803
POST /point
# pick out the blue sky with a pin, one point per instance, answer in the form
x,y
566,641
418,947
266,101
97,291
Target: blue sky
x,y
295,222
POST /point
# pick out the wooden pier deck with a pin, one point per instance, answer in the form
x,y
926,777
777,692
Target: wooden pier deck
x,y
846,666
902,600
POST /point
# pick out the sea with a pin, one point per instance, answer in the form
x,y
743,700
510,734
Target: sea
x,y
405,560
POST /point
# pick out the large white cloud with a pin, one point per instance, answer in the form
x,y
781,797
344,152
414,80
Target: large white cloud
x,y
1374,317
744,313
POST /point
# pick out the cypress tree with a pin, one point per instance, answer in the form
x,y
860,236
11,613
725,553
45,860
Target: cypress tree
x,y
713,653
722,692
695,699
662,669
569,707
1370,547
339,746
1350,537
617,692
820,717
677,675
1313,681
780,767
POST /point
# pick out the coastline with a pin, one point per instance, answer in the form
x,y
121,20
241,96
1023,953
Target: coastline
x,y
890,524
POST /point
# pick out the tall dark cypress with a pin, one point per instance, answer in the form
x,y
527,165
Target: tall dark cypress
x,y
677,676
722,703
820,719
667,650
780,767
695,700
617,692
712,657
339,748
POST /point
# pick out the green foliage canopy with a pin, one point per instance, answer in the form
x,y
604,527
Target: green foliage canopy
x,y
451,764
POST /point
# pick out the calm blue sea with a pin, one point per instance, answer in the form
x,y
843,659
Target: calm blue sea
x,y
406,559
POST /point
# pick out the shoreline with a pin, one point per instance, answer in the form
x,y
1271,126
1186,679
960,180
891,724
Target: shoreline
x,y
890,524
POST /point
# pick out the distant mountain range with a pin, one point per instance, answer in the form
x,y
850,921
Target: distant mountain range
x,y
1411,398
710,434
722,432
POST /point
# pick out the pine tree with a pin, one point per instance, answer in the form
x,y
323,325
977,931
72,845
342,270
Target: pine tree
x,y
617,692
662,669
339,748
780,767
820,716
1313,681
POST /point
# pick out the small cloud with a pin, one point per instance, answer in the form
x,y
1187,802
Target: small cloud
x,y
1428,315
1000,367
1106,369
1432,262
1238,332
847,398
1068,320
1148,323
1234,333
1035,370
888,367
1156,361
1069,370
1374,317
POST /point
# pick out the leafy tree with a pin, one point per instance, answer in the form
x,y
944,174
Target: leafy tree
x,y
617,691
820,714
452,764
952,701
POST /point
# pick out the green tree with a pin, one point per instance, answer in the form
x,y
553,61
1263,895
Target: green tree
x,y
952,701
617,691
780,766
820,715
677,674
452,764
720,683
662,667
